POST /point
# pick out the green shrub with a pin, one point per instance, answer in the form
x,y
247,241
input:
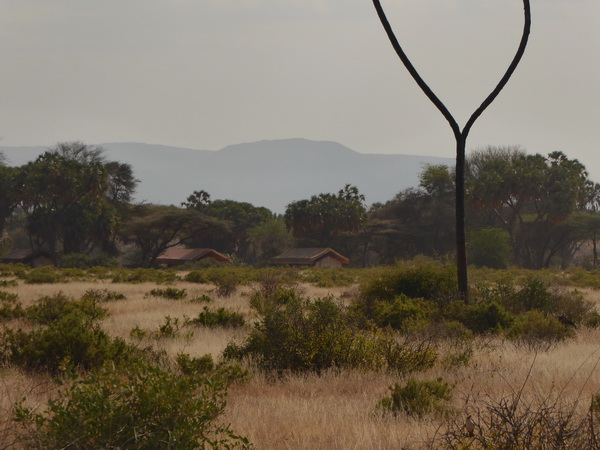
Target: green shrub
x,y
171,328
144,276
261,301
304,335
219,318
194,366
50,309
202,299
533,293
168,293
8,283
103,295
43,275
69,334
10,307
270,281
418,279
226,283
73,274
538,331
329,277
489,247
69,341
227,372
480,317
404,313
196,276
418,398
139,407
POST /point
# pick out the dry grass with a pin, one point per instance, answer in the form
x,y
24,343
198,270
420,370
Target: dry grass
x,y
335,410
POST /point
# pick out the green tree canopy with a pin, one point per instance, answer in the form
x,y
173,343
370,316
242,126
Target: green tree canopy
x,y
241,217
318,220
72,198
155,228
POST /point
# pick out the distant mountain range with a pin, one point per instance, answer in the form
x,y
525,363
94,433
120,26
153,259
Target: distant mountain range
x,y
266,173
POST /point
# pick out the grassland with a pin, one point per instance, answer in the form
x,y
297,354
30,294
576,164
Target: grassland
x,y
335,409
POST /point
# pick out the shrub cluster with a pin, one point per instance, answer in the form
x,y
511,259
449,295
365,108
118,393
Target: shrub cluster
x,y
168,293
418,398
172,328
221,317
103,295
10,307
140,275
314,335
422,295
67,332
141,406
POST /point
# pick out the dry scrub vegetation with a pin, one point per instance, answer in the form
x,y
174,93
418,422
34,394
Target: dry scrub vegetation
x,y
514,386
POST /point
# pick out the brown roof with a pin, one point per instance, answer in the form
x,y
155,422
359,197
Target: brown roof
x,y
190,254
18,255
307,256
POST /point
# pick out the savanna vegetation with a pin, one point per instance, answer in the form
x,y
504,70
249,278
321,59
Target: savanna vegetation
x,y
386,357
530,211
104,350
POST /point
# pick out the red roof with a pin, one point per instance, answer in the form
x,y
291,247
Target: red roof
x,y
308,256
182,255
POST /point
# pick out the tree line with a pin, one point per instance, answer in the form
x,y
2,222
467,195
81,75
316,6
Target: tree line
x,y
533,211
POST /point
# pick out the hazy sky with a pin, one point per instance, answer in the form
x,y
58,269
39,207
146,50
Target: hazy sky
x,y
208,73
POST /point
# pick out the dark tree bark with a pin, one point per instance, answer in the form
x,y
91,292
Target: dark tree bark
x,y
459,135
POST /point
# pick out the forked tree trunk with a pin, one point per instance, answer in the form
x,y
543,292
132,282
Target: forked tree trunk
x,y
460,135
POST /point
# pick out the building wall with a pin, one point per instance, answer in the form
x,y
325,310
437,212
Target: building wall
x,y
328,261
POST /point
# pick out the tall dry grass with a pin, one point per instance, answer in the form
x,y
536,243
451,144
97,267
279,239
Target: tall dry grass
x,y
335,410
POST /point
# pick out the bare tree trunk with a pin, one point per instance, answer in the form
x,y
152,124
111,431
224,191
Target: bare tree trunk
x,y
460,136
461,231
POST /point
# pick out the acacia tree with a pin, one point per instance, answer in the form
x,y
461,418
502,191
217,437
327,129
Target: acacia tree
x,y
459,135
155,228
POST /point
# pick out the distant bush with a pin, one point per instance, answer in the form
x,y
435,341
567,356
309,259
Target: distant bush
x,y
329,277
418,398
226,283
202,299
144,276
219,318
172,328
489,247
43,275
534,293
225,371
196,276
303,335
103,295
418,279
50,309
168,293
141,406
479,317
8,283
538,331
404,313
262,302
